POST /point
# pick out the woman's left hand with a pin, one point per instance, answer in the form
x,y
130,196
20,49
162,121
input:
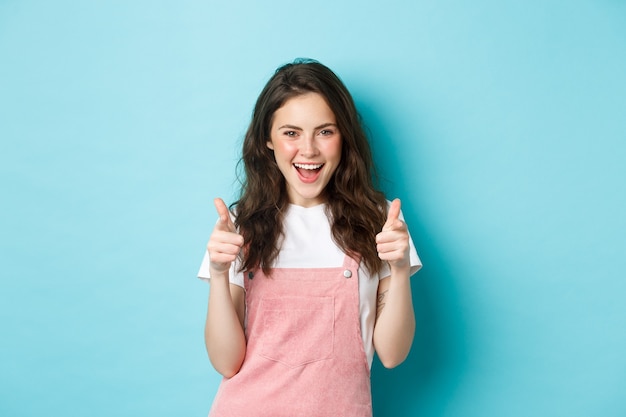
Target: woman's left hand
x,y
392,243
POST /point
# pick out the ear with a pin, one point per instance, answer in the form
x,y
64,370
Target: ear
x,y
270,144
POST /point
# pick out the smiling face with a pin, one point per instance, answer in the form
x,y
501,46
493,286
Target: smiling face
x,y
307,146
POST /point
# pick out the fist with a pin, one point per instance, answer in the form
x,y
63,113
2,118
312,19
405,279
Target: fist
x,y
225,243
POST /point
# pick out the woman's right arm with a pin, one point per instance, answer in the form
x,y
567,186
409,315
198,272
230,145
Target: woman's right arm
x,y
223,333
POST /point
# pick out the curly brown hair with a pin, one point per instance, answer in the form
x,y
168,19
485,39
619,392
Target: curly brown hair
x,y
356,209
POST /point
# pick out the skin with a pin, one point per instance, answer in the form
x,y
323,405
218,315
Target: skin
x,y
223,332
395,319
304,131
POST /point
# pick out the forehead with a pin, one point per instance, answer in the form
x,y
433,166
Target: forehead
x,y
305,108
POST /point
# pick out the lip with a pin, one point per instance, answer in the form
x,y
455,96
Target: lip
x,y
312,179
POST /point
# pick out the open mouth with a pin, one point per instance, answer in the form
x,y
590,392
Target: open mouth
x,y
308,172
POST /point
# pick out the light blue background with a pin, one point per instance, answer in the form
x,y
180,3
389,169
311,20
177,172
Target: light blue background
x,y
500,124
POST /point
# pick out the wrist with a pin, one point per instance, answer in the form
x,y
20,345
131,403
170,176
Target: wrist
x,y
399,271
219,274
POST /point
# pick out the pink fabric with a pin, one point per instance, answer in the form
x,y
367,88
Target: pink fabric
x,y
305,354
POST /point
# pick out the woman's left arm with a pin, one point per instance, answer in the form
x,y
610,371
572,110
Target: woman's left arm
x,y
395,319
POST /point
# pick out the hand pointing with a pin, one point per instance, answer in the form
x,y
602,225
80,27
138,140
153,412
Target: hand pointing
x,y
225,243
392,243
224,222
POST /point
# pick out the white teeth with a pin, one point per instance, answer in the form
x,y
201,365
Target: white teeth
x,y
308,166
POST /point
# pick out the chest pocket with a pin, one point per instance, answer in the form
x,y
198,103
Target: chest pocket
x,y
297,330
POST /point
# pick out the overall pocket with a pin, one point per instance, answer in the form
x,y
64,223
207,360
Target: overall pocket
x,y
297,330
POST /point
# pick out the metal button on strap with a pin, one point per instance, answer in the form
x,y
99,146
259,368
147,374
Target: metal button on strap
x,y
347,273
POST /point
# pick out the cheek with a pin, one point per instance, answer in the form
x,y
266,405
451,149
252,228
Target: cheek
x,y
285,149
334,150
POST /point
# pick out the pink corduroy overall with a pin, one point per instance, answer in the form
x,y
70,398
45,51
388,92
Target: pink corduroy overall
x,y
305,353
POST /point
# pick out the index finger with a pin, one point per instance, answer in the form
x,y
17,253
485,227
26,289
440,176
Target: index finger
x,y
394,211
222,210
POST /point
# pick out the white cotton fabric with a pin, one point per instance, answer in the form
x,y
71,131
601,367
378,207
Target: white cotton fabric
x,y
308,243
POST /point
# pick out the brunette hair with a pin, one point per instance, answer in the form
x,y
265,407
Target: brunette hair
x,y
356,209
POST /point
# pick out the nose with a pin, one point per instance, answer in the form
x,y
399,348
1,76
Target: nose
x,y
309,147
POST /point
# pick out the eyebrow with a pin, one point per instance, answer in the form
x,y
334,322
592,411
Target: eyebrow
x,y
316,127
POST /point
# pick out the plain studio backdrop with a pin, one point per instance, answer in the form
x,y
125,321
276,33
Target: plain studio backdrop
x,y
500,124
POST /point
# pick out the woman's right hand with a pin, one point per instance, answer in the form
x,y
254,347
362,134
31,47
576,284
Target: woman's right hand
x,y
223,332
225,243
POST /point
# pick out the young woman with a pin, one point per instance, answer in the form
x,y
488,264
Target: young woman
x,y
310,272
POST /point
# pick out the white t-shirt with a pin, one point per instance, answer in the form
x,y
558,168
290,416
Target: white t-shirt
x,y
308,243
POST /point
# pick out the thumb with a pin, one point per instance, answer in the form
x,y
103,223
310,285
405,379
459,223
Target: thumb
x,y
393,214
224,221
